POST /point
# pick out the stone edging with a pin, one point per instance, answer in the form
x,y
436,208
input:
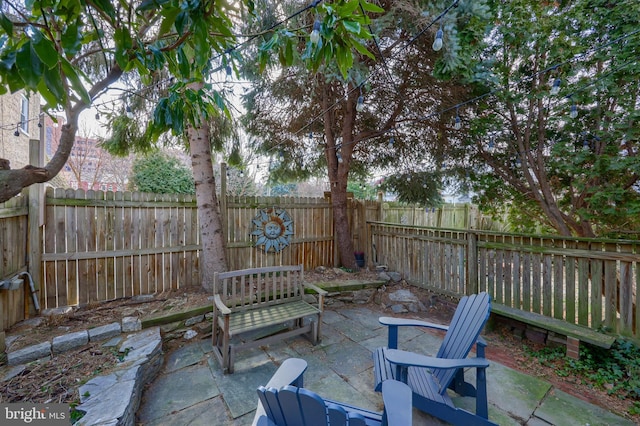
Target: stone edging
x,y
69,341
114,399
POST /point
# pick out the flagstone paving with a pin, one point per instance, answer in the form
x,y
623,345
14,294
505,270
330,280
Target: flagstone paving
x,y
191,388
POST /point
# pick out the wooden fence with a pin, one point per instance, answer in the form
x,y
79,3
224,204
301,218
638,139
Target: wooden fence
x,y
90,246
591,282
13,240
103,245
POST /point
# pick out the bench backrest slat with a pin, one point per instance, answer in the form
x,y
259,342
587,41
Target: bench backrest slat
x,y
248,288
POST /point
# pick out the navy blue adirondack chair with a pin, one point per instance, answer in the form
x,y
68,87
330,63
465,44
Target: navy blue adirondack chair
x,y
430,377
293,406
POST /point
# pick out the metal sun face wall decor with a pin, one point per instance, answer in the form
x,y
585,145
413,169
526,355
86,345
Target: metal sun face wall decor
x,y
273,228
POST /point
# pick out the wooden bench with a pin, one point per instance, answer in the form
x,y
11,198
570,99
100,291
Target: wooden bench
x,y
262,300
574,333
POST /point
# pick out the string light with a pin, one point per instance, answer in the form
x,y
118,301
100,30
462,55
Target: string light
x,y
437,43
17,132
391,141
339,156
457,123
129,112
574,110
360,103
314,37
555,89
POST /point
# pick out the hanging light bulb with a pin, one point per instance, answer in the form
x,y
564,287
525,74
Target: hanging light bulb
x,y
408,178
97,116
457,124
281,157
391,141
314,37
360,104
491,144
424,185
555,88
310,135
437,43
241,173
17,132
340,160
129,112
574,111
228,70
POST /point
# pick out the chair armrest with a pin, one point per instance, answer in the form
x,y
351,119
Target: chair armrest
x,y
397,399
264,421
401,322
290,372
411,359
217,301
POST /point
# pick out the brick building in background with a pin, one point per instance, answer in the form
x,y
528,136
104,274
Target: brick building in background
x,y
88,166
20,115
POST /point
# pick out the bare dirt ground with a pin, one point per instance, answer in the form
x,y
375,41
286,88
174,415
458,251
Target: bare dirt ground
x,y
57,380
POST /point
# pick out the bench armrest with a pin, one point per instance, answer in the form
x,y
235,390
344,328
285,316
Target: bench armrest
x,y
321,293
397,399
411,359
290,372
222,308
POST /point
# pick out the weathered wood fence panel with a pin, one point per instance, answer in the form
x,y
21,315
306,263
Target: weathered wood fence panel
x,y
13,241
591,282
102,246
311,245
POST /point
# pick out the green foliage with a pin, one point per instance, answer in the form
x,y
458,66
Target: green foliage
x,y
417,188
616,370
161,174
577,176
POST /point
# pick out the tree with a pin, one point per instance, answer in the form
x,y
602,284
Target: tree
x,y
310,116
557,140
72,54
161,174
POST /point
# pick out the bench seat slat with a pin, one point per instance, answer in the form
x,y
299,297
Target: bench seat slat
x,y
243,321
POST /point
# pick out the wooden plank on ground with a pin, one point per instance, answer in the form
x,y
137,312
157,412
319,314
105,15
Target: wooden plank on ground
x,y
584,334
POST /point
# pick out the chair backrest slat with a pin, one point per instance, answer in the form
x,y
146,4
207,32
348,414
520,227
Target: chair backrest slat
x,y
468,320
337,415
313,408
269,399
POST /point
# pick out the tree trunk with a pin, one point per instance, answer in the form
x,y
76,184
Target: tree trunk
x,y
213,255
341,225
338,172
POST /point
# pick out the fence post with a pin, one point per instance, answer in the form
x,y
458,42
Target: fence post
x,y
224,214
472,262
35,222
